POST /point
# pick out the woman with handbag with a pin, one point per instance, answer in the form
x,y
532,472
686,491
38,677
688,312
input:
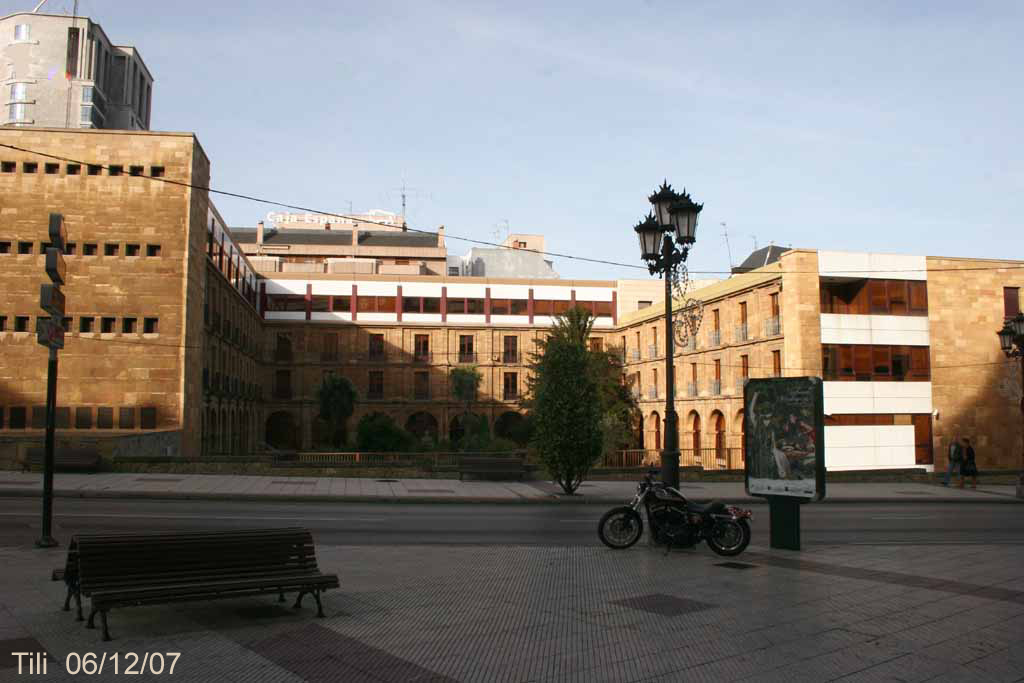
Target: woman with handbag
x,y
968,468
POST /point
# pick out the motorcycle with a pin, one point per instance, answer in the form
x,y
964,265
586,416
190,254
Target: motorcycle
x,y
675,521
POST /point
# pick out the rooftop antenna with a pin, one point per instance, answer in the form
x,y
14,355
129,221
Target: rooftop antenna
x,y
754,237
74,24
41,3
728,250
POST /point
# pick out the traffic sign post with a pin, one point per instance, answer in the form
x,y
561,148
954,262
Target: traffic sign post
x,y
50,333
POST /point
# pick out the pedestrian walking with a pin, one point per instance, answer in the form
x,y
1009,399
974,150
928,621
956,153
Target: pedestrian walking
x,y
968,468
955,458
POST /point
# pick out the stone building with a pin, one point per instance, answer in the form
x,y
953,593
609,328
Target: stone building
x,y
906,346
63,71
182,340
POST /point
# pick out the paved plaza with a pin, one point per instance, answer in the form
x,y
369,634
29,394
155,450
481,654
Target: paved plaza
x,y
516,613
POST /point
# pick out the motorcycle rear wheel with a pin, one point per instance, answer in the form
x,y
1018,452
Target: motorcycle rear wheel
x,y
620,527
729,538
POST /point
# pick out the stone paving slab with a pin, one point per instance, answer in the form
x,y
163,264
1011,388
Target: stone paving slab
x,y
324,489
578,613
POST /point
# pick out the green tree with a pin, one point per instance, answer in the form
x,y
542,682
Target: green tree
x,y
465,383
337,398
379,433
565,401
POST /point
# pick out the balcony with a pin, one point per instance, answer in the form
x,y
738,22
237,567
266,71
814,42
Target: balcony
x,y
467,357
715,337
376,355
510,395
716,387
652,394
422,357
691,344
740,383
772,327
375,394
511,358
652,351
634,355
421,394
692,390
741,333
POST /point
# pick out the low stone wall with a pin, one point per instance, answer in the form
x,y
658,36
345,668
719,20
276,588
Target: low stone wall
x,y
14,447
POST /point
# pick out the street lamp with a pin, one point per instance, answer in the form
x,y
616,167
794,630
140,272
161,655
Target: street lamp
x,y
665,236
1011,341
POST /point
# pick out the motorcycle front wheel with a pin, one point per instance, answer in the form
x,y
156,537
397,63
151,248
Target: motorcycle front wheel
x,y
729,538
620,527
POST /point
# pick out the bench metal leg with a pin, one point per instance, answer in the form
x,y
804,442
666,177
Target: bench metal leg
x,y
298,600
78,603
103,620
92,619
67,601
319,607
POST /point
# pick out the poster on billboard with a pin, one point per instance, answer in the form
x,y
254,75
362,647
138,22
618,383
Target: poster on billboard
x,y
784,437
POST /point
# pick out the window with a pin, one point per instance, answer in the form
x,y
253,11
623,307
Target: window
x,y
421,347
30,167
375,389
744,366
640,305
17,418
86,94
152,250
104,418
421,385
38,417
716,321
1011,301
156,171
89,249
283,384
453,271
131,250
510,349
777,363
329,351
319,303
878,297
1,417
66,323
5,247
107,325
147,417
73,169
110,249
85,113
8,166
94,169
128,325
510,386
24,247
126,418
499,306
21,323
16,112
376,346
3,323
22,32
115,169
341,304
466,354
85,323
70,248
83,418
51,169
62,418
519,306
596,344
875,363
286,302
136,170
376,304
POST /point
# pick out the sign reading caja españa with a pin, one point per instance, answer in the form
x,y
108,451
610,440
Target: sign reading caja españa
x,y
784,437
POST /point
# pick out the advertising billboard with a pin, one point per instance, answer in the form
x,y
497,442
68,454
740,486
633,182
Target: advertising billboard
x,y
784,437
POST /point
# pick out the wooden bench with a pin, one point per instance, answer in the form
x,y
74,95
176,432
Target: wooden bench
x,y
65,459
126,570
492,467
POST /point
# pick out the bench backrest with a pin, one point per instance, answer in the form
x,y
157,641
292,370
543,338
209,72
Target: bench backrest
x,y
497,463
65,456
109,562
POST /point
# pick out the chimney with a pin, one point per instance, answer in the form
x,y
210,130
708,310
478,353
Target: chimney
x,y
259,235
440,236
327,226
355,238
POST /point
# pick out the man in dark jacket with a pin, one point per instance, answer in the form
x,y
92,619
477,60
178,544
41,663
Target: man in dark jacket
x,y
955,458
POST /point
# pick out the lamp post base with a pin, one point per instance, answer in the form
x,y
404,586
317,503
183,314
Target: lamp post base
x,y
47,542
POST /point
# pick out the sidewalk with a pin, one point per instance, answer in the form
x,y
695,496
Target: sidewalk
x,y
325,489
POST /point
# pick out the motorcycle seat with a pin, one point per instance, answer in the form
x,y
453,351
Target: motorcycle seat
x,y
715,507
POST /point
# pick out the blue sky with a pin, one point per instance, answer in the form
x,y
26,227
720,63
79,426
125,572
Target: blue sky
x,y
892,127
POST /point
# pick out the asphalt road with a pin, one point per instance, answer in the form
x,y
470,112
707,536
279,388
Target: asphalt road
x,y
563,524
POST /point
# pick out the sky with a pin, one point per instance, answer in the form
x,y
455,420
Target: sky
x,y
867,126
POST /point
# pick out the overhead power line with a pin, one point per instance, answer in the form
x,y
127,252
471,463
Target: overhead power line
x,y
572,257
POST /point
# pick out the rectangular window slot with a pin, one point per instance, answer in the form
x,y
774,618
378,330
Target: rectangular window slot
x,y
126,418
51,169
156,171
38,417
8,166
21,323
5,247
111,249
3,323
150,325
136,170
17,416
152,250
83,418
95,169
104,418
70,248
24,247
107,325
128,325
148,418
132,250
30,167
74,169
115,170
89,249
86,323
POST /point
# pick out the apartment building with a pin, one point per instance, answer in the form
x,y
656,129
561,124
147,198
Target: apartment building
x,y
906,346
181,340
61,71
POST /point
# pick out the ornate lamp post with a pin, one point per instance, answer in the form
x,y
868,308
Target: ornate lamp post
x,y
666,236
1011,340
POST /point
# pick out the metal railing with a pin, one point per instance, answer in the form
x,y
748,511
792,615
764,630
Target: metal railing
x,y
725,458
716,387
740,383
634,355
377,459
692,389
691,344
652,393
715,337
772,327
467,356
422,357
511,357
652,351
741,333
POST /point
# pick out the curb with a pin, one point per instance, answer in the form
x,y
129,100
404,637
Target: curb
x,y
552,499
